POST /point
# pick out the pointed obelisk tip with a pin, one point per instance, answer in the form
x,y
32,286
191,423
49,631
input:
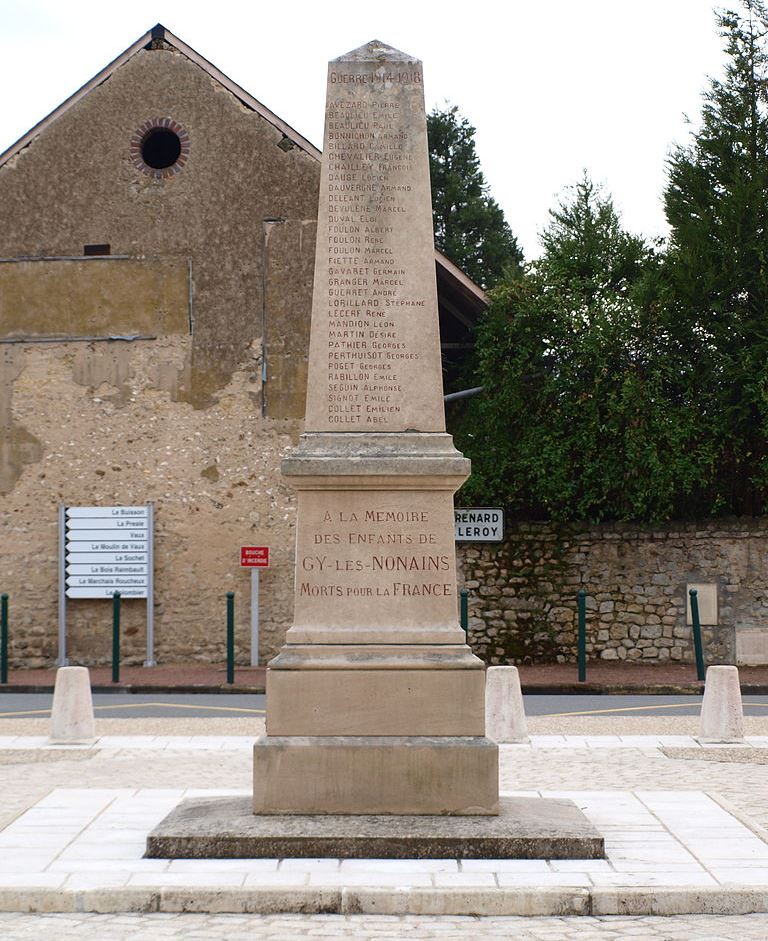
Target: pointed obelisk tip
x,y
376,51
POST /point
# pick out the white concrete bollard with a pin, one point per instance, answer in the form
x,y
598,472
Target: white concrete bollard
x,y
504,713
72,721
722,716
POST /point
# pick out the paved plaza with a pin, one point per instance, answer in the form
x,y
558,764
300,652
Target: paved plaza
x,y
685,828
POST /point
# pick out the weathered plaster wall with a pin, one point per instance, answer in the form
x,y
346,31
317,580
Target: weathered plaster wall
x,y
98,296
114,437
523,591
176,420
76,184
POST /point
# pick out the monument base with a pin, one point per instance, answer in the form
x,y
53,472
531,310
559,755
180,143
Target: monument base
x,y
375,702
525,828
375,775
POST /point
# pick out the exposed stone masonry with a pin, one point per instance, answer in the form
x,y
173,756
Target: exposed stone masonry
x,y
523,591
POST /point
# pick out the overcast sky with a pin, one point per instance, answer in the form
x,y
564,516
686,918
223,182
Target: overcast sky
x,y
552,87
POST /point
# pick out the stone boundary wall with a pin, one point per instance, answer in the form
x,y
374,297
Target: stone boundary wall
x,y
523,591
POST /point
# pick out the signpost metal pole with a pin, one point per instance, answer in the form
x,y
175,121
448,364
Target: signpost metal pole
x,y
230,637
62,658
254,617
464,610
3,638
697,645
150,661
582,604
116,637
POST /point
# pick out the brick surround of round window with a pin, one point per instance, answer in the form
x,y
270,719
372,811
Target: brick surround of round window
x,y
165,139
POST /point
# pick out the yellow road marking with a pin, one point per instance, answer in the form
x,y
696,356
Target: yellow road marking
x,y
597,712
140,705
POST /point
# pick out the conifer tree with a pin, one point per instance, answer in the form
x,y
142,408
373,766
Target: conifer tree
x,y
470,227
578,420
717,206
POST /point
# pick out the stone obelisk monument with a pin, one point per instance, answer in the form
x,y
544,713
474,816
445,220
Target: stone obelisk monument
x,y
375,705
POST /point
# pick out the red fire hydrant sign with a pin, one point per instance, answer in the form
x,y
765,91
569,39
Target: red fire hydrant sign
x,y
254,557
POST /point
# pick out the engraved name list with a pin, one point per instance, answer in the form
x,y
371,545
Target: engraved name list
x,y
369,292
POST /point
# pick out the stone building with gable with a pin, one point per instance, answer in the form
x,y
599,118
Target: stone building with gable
x,y
156,259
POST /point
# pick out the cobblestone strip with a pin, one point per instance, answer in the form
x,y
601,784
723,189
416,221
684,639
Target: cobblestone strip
x,y
185,927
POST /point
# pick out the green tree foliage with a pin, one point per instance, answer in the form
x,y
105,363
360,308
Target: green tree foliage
x,y
576,420
469,224
627,383
717,273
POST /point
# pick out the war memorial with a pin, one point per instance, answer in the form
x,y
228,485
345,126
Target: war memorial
x,y
375,704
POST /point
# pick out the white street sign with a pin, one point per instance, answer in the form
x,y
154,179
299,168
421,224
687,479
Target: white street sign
x,y
106,522
107,549
93,535
85,545
106,558
80,592
118,582
99,569
96,512
479,524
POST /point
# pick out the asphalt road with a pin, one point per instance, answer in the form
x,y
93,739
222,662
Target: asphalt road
x,y
122,705
136,706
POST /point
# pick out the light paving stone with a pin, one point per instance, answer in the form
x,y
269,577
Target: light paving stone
x,y
657,877
224,865
399,865
505,865
96,880
741,876
544,878
21,879
485,879
108,865
670,790
311,865
580,865
183,879
326,878
285,878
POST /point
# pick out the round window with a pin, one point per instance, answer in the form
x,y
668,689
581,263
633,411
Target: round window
x,y
160,148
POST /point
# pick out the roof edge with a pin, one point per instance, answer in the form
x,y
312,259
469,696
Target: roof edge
x,y
73,99
141,43
463,279
239,92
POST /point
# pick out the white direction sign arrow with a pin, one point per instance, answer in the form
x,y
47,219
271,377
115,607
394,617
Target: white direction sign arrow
x,y
80,592
94,512
106,522
107,569
118,581
99,546
99,534
106,558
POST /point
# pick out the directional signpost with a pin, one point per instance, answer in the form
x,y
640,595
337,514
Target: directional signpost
x,y
254,558
104,549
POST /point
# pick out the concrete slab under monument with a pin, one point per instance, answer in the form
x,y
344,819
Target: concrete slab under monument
x,y
227,828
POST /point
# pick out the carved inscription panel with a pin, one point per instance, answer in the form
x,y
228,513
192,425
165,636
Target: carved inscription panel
x,y
375,347
364,554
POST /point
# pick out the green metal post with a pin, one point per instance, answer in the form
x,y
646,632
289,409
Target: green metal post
x,y
230,637
697,644
3,638
116,637
582,605
464,609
